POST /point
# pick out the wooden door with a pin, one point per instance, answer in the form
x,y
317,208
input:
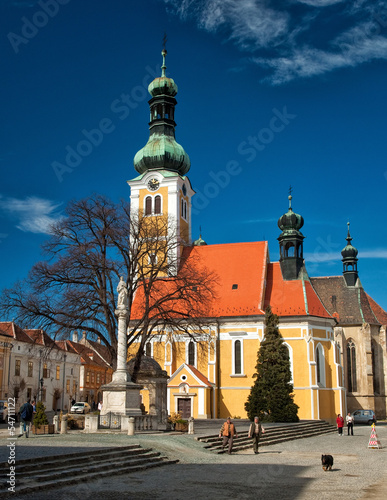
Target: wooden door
x,y
184,407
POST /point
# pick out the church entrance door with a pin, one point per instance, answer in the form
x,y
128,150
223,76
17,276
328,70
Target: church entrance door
x,y
184,407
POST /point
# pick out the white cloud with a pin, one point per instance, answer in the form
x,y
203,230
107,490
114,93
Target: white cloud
x,y
34,214
317,257
318,37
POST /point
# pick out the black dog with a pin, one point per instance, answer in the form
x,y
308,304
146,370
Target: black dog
x,y
327,462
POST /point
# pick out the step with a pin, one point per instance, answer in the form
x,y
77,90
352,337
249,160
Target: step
x,y
57,461
273,435
63,470
28,486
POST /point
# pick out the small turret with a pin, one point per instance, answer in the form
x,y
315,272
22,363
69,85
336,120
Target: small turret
x,y
349,254
291,243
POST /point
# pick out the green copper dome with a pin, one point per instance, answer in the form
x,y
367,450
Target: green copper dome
x,y
162,151
290,221
349,251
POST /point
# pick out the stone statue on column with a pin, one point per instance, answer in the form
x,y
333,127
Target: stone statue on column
x,y
121,395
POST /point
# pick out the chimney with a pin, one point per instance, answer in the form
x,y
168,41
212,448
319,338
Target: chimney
x,y
75,336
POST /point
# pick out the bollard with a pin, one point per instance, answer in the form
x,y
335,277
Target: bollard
x,y
55,421
131,426
191,425
63,425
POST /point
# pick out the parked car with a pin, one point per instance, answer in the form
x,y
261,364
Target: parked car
x,y
80,408
3,410
364,417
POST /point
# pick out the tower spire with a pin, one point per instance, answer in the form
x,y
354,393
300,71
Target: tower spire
x,y
349,254
162,152
291,242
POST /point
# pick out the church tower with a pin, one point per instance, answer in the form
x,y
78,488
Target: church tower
x,y
162,188
291,243
349,254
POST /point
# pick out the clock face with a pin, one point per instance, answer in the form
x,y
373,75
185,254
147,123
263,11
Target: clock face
x,y
184,189
153,184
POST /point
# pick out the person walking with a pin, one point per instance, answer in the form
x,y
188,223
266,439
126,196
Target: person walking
x,y
255,431
228,432
340,424
26,412
349,420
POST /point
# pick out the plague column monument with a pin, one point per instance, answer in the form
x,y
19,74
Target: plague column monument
x,y
121,395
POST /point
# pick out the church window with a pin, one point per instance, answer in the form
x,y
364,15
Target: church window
x,y
158,204
351,366
184,209
290,351
152,259
320,366
191,353
237,357
374,348
148,205
148,349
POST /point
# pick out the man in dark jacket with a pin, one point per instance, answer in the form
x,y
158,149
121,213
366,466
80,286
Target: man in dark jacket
x,y
255,431
26,412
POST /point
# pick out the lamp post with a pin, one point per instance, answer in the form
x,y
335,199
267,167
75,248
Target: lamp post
x,y
41,388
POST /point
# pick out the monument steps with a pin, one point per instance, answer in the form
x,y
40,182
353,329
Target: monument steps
x,y
273,435
64,470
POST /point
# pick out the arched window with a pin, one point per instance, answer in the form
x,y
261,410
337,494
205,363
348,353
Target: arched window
x,y
148,205
158,204
375,377
351,366
148,349
290,354
191,353
237,357
320,365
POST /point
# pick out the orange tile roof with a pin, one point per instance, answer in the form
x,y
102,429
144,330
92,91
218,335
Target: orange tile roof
x,y
240,268
10,329
241,264
379,312
293,297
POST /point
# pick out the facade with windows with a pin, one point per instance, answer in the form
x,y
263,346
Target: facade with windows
x,y
38,369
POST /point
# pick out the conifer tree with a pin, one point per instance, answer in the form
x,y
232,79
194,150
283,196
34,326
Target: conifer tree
x,y
271,396
40,417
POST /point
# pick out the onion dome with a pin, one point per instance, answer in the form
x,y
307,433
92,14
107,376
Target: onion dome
x,y
290,221
199,242
162,152
163,85
349,251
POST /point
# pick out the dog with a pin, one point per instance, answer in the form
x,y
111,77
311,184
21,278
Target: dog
x,y
327,462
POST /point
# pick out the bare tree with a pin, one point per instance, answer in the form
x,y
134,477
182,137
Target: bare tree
x,y
88,250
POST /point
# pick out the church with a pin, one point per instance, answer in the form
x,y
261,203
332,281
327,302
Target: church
x,y
334,332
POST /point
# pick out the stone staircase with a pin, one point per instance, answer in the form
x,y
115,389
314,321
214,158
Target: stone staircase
x,y
273,434
64,470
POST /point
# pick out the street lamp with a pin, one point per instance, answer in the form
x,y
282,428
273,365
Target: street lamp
x,y
41,388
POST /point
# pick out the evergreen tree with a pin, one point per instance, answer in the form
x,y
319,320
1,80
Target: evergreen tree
x,y
271,397
40,417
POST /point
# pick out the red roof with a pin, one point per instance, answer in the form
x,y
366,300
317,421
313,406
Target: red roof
x,y
379,312
247,283
10,329
292,297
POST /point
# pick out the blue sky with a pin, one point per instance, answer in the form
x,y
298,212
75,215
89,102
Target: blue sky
x,y
271,94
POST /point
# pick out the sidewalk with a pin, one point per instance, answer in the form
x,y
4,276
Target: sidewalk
x,y
290,470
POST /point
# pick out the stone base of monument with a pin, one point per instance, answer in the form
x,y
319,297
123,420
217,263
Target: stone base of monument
x,y
121,398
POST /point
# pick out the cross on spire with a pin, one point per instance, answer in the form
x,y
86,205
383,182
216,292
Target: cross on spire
x,y
165,40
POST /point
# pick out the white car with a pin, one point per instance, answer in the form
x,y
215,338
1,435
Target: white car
x,y
80,408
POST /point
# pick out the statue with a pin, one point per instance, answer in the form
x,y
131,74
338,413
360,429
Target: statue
x,y
122,294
